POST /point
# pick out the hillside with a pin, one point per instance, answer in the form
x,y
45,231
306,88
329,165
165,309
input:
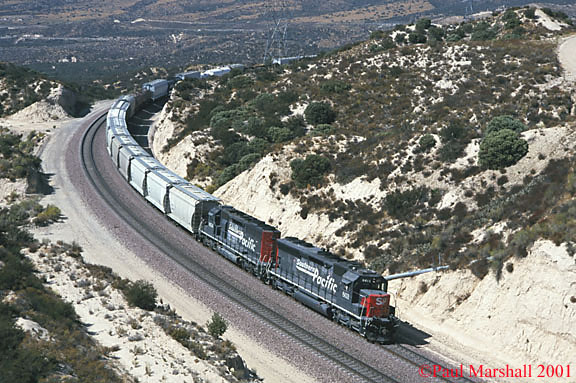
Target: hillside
x,y
425,145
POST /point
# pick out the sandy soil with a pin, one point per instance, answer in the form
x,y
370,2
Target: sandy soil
x,y
527,316
101,247
136,342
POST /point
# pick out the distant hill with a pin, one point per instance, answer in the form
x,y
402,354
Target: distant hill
x,y
84,41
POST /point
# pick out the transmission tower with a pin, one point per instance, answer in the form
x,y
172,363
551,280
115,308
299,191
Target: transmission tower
x,y
277,14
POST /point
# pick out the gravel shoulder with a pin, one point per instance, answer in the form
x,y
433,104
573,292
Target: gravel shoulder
x,y
102,246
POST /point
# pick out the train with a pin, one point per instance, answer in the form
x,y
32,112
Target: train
x,y
341,290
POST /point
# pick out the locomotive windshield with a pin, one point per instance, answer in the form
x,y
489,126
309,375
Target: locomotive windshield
x,y
374,284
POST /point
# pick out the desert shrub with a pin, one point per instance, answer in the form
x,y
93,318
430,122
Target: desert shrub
x,y
309,171
248,160
395,71
483,31
16,158
296,124
335,86
451,151
234,152
50,306
455,138
452,132
371,252
510,19
557,15
240,82
436,33
285,188
400,38
426,143
258,145
417,38
530,13
277,134
180,334
51,214
504,122
480,268
228,173
17,272
319,113
225,135
403,204
19,364
322,130
423,24
141,294
217,325
501,149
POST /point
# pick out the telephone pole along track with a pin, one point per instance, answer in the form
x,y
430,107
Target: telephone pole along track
x,y
352,366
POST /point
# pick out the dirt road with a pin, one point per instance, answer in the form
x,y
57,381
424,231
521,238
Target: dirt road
x,y
567,57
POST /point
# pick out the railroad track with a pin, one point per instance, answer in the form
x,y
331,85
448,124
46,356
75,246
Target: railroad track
x,y
354,367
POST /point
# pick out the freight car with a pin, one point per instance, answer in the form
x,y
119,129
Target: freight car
x,y
341,290
157,88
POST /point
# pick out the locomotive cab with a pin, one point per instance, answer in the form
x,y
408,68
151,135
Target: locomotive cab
x,y
365,292
213,227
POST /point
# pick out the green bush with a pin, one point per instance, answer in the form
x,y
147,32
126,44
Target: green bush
x,y
277,135
417,38
404,204
530,13
51,214
228,174
217,326
240,82
400,38
322,130
426,143
504,122
309,171
501,148
248,160
141,294
319,113
423,24
483,32
297,125
335,86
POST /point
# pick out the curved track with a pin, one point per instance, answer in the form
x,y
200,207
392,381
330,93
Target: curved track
x,y
354,367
